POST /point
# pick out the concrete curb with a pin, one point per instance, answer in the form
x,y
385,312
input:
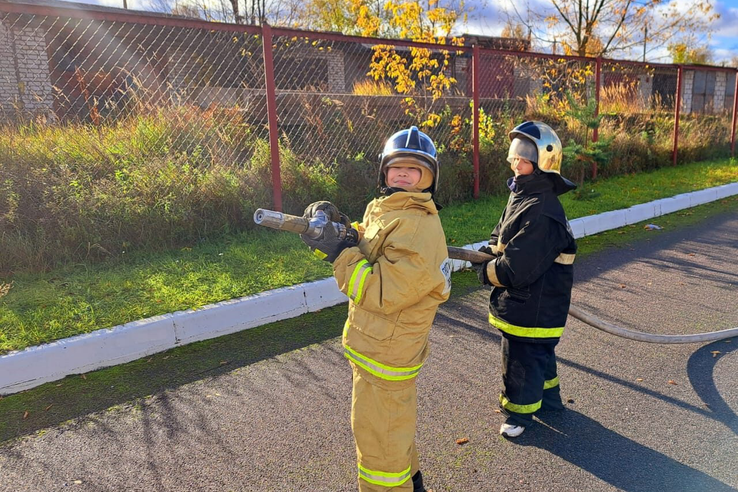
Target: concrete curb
x,y
34,366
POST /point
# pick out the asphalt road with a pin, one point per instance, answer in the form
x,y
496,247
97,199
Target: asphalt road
x,y
639,418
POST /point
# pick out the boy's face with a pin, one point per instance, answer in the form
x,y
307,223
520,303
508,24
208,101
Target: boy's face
x,y
404,177
520,166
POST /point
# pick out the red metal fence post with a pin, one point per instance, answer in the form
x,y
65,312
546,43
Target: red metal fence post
x,y
598,71
677,108
735,110
596,131
475,116
271,95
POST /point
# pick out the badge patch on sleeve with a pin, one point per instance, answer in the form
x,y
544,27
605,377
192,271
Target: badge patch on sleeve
x,y
446,269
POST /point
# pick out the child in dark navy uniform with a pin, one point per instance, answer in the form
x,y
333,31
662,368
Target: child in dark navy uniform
x,y
531,275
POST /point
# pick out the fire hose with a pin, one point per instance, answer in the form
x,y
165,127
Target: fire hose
x,y
314,228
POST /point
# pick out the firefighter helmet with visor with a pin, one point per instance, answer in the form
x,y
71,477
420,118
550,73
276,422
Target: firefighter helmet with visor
x,y
550,152
546,141
414,144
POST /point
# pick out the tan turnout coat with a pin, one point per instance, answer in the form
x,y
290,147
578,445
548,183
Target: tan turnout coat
x,y
395,280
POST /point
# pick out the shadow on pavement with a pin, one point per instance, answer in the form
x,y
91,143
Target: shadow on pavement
x,y
613,458
700,368
79,395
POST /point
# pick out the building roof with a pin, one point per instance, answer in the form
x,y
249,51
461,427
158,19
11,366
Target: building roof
x,y
496,43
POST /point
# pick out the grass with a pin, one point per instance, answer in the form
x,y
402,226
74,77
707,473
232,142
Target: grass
x,y
29,412
39,308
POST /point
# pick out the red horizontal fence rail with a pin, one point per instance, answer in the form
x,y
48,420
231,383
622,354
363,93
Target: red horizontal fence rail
x,y
282,86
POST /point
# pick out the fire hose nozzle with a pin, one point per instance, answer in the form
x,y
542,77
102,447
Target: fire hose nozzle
x,y
300,225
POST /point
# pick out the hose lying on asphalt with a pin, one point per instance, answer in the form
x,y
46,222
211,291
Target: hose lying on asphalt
x,y
592,320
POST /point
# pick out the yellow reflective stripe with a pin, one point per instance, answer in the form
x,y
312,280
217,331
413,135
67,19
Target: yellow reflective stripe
x,y
551,383
522,331
565,258
492,274
377,368
386,479
319,254
357,288
508,405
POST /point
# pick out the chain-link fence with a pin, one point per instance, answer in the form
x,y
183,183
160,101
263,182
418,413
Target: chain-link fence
x,y
182,127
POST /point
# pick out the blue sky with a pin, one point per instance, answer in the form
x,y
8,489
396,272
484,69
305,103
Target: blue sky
x,y
488,20
723,40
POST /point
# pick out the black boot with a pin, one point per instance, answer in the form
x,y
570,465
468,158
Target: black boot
x,y
418,482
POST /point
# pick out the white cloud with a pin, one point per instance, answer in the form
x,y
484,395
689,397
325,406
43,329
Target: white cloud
x,y
727,24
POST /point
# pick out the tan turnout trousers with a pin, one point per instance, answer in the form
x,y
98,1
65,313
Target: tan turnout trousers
x,y
383,419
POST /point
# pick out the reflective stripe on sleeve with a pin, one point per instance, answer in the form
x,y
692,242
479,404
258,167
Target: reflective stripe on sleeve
x,y
356,283
386,479
522,331
492,274
551,383
565,258
513,407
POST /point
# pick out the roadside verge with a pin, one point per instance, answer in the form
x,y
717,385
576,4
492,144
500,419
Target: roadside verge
x,y
33,366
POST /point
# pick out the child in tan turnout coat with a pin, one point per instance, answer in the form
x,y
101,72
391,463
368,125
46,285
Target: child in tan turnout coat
x,y
395,278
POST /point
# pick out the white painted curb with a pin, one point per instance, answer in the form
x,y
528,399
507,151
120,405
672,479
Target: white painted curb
x,y
33,366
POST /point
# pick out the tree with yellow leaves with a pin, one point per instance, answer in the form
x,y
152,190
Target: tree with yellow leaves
x,y
422,74
618,27
690,52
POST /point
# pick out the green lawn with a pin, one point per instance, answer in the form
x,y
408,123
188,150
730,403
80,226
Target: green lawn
x,y
40,308
54,403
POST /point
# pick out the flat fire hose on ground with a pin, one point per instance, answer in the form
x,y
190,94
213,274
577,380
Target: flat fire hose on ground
x,y
314,228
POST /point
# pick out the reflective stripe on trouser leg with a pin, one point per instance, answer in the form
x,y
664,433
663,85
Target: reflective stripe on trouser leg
x,y
523,368
551,389
383,421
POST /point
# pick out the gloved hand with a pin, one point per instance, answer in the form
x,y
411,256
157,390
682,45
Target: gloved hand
x,y
481,268
331,211
329,245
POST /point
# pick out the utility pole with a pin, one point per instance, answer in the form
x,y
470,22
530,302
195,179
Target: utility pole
x,y
645,40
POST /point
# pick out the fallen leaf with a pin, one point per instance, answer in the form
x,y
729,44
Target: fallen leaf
x,y
58,385
223,362
47,408
639,379
671,381
622,286
692,254
165,357
83,376
462,440
497,410
25,415
77,482
715,353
